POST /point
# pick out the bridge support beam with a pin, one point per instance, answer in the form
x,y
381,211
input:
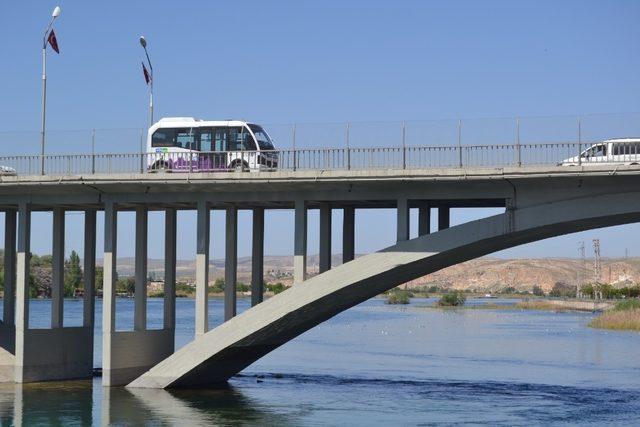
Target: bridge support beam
x,y
109,290
325,238
57,269
140,311
300,243
257,257
348,234
202,269
444,217
9,268
403,219
170,237
230,263
424,220
89,267
7,326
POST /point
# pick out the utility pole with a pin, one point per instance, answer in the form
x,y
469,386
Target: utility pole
x,y
581,270
597,268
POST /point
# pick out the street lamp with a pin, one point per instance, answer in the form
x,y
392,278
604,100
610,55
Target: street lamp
x,y
54,15
143,43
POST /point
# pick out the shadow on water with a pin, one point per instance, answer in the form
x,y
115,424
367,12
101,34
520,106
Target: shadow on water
x,y
88,403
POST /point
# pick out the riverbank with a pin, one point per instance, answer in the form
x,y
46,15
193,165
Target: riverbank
x,y
624,316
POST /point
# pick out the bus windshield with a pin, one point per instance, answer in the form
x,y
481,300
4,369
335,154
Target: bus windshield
x,y
261,137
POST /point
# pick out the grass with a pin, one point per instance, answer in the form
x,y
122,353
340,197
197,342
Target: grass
x,y
619,320
538,305
625,316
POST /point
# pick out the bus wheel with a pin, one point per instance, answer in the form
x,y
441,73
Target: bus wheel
x,y
239,166
160,166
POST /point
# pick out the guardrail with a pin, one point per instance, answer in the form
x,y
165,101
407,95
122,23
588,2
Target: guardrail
x,y
409,157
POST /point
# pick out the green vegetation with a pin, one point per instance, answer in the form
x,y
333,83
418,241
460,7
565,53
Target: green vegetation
x,y
625,316
537,291
183,290
607,291
452,299
276,288
562,290
398,296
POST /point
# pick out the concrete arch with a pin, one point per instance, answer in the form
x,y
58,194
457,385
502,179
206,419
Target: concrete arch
x,y
226,350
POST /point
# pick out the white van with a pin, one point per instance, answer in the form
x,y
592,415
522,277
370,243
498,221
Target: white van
x,y
187,144
612,151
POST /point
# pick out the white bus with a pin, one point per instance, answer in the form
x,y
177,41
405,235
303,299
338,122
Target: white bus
x,y
612,151
188,144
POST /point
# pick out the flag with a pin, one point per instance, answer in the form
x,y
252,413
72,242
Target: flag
x,y
53,41
147,76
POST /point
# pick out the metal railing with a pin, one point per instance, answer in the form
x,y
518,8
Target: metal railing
x,y
349,158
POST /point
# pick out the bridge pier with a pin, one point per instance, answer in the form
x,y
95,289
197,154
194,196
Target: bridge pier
x,y
7,326
128,354
300,242
403,219
424,220
257,257
56,353
140,301
325,238
348,234
202,269
170,237
444,217
230,263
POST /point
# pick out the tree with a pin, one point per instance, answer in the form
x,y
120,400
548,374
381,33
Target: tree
x,y
99,277
72,274
537,291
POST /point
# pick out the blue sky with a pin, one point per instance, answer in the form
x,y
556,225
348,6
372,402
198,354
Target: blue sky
x,y
287,62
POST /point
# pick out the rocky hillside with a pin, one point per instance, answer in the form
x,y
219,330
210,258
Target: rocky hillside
x,y
484,274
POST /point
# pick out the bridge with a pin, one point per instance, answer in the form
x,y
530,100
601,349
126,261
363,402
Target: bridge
x,y
540,200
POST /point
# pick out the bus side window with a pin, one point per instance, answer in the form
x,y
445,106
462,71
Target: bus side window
x,y
186,138
205,140
241,139
162,138
220,139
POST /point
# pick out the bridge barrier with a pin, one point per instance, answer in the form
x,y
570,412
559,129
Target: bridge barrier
x,y
357,158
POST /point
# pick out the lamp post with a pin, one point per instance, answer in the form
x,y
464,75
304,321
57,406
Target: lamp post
x,y
54,15
143,43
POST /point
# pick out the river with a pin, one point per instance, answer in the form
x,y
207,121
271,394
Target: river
x,y
374,364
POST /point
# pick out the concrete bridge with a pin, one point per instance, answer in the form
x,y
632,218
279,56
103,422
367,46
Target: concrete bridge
x,y
539,202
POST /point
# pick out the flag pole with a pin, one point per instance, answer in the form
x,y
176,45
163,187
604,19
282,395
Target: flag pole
x,y
54,15
143,43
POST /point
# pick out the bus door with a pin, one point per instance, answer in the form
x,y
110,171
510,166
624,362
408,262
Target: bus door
x,y
213,147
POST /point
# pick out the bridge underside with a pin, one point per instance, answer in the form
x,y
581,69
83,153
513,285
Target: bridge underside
x,y
221,353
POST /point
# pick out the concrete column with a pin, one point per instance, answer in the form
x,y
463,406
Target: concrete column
x,y
300,243
9,267
170,234
57,273
348,234
325,238
22,271
89,273
202,269
140,312
257,257
403,220
424,220
230,263
109,287
444,213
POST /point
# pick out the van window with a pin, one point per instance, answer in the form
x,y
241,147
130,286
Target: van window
x,y
620,149
181,138
599,150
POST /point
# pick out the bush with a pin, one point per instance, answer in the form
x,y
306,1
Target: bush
x,y
241,287
276,288
562,290
537,291
452,299
398,296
